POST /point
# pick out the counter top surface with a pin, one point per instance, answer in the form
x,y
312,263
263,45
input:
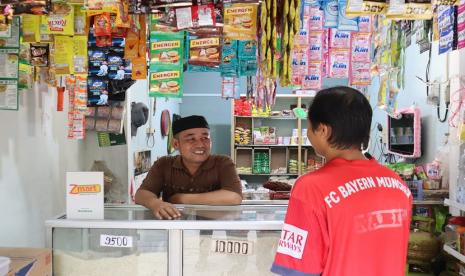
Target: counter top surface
x,y
193,217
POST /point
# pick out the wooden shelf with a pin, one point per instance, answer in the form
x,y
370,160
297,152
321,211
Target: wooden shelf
x,y
455,204
428,202
284,126
454,253
268,146
270,174
310,94
268,117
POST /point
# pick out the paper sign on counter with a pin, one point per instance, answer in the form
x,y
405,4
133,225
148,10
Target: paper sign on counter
x,y
84,195
232,247
115,241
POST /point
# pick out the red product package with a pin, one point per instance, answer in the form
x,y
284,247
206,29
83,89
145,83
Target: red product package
x,y
103,41
203,15
102,25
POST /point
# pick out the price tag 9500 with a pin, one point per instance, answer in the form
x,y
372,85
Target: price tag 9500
x,y
115,241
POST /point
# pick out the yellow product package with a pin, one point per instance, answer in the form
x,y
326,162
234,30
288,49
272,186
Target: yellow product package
x,y
446,2
31,30
396,9
94,7
123,20
80,54
26,74
240,22
63,55
61,21
79,21
409,10
418,10
364,7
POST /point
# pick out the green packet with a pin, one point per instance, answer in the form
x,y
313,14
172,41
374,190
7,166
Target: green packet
x,y
25,76
300,113
166,81
166,48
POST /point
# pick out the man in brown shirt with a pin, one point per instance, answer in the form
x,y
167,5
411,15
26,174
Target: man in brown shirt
x,y
193,177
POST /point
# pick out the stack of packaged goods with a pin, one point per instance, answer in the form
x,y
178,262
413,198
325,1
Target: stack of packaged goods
x,y
244,170
242,136
261,163
293,166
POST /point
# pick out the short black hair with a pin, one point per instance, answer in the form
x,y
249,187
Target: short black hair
x,y
347,111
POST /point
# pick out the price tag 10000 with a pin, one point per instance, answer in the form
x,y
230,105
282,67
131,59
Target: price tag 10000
x,y
115,241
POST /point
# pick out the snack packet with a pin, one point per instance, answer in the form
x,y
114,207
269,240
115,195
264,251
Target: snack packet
x,y
167,48
205,48
165,81
63,55
30,28
102,25
139,69
461,26
39,54
240,22
80,54
203,15
61,21
229,59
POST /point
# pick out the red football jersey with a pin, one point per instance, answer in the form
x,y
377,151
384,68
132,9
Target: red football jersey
x,y
347,218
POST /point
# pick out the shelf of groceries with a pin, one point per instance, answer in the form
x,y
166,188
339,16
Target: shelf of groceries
x,y
453,203
455,247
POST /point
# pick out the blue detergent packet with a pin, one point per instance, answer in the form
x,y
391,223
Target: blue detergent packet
x,y
344,22
330,8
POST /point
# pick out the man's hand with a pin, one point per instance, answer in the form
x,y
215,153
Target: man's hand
x,y
165,210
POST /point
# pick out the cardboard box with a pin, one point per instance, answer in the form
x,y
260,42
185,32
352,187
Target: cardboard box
x,y
28,261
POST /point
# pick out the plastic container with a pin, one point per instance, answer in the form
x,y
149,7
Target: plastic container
x,y
4,265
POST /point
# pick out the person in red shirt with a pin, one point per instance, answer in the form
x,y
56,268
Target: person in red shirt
x,y
352,216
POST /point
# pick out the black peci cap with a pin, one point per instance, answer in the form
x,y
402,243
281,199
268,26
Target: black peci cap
x,y
189,122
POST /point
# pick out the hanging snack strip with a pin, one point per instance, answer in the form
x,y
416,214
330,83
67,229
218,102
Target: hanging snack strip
x,y
166,67
461,26
291,12
77,107
269,38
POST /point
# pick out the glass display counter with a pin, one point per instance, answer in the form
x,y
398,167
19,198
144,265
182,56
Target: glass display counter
x,y
206,240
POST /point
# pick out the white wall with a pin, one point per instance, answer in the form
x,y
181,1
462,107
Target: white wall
x,y
457,68
415,93
34,156
138,93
